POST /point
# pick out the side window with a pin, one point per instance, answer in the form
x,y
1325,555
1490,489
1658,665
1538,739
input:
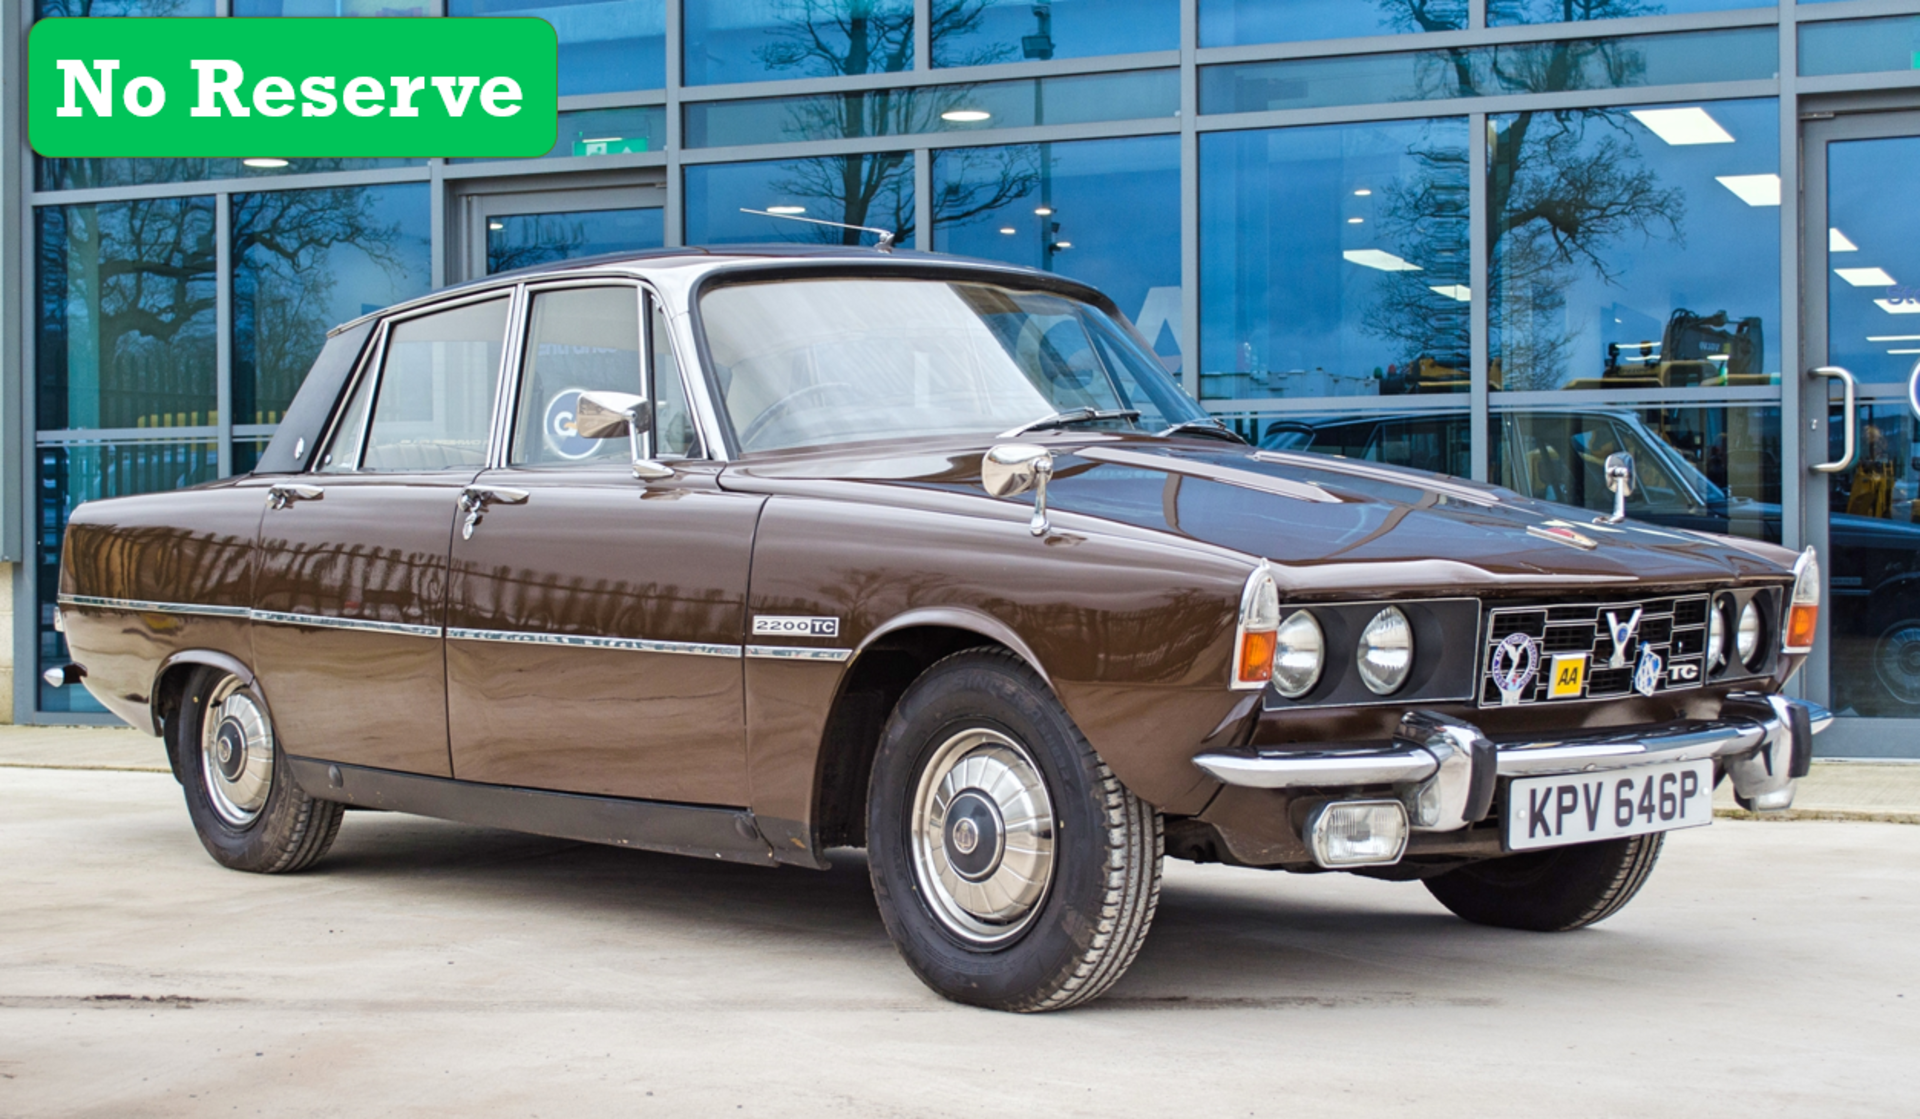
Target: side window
x,y
673,422
344,454
578,340
434,399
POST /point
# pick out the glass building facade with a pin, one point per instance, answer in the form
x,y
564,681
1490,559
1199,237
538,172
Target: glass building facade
x,y
1493,238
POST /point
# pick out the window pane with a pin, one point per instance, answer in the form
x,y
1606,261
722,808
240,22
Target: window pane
x,y
761,40
1873,259
84,174
524,240
1113,220
1860,46
1709,469
349,432
1333,261
1226,23
331,8
1600,222
1501,13
125,8
674,435
874,190
1080,99
605,45
577,341
124,314
435,399
305,261
70,472
1570,64
977,32
1431,439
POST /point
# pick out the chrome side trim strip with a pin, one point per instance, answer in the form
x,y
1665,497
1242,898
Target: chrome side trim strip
x,y
144,607
320,621
791,653
632,644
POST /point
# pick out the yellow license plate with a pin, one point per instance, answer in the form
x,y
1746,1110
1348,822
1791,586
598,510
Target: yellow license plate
x,y
1569,674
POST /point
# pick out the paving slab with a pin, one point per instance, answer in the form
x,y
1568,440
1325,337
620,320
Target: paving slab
x,y
434,969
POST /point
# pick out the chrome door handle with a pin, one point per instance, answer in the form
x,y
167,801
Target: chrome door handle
x,y
475,499
1834,372
283,494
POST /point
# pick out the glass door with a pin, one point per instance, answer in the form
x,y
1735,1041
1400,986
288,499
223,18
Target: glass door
x,y
517,228
1862,502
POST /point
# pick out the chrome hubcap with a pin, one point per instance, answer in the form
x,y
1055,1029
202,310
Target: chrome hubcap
x,y
982,836
236,747
1898,663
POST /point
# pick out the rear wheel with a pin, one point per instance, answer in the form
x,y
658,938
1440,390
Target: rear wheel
x,y
1556,890
1012,869
244,803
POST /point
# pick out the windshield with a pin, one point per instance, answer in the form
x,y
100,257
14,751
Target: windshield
x,y
810,362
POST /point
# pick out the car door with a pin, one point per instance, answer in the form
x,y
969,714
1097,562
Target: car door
x,y
596,621
351,598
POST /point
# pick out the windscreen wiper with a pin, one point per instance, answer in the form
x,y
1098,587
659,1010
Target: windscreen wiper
x,y
1073,416
1211,428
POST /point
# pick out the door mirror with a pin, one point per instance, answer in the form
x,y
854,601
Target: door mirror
x,y
611,415
1619,471
1012,469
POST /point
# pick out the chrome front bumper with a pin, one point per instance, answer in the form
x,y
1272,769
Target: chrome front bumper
x,y
1446,770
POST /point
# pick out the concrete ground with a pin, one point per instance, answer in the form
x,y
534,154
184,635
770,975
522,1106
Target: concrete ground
x,y
427,968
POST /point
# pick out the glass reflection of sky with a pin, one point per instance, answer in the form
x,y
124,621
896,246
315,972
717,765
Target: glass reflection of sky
x,y
1225,23
760,40
1116,206
605,45
976,32
1333,258
1873,323
1695,227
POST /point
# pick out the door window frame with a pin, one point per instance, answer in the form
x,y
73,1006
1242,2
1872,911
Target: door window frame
x,y
514,368
475,202
1806,443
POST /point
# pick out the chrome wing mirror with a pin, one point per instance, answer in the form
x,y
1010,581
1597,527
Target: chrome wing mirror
x,y
1012,469
611,415
1620,481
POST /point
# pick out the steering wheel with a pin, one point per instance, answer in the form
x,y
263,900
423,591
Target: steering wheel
x,y
784,405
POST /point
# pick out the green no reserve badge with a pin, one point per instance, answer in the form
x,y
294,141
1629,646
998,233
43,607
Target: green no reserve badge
x,y
303,88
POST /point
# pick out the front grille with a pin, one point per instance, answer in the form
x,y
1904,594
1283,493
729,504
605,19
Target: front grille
x,y
1572,648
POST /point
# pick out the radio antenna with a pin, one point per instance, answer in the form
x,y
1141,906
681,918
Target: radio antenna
x,y
886,236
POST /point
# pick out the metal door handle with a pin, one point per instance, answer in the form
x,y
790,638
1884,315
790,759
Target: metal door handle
x,y
283,494
1834,372
475,499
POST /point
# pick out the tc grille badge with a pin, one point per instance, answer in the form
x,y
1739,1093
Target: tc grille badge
x,y
1515,662
1622,634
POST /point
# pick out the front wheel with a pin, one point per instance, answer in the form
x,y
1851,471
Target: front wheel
x,y
1012,869
1555,890
243,801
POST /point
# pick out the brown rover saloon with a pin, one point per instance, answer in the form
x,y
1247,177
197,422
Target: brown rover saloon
x,y
753,554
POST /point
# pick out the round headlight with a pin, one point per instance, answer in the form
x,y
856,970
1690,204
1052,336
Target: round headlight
x,y
1301,649
1385,655
1717,634
1746,639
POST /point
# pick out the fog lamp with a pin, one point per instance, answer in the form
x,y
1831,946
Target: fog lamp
x,y
1386,652
1746,638
1346,833
1804,616
1301,651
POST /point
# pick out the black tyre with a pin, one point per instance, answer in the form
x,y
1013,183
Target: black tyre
x,y
1012,869
249,812
1556,890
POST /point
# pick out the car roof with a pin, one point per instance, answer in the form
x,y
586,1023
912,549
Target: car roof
x,y
642,262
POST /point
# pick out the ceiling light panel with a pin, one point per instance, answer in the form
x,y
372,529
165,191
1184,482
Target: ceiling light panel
x,y
1681,127
1837,243
1754,190
1865,277
1376,258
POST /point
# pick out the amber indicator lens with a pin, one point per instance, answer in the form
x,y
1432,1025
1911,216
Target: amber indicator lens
x,y
1805,615
1800,626
1256,656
